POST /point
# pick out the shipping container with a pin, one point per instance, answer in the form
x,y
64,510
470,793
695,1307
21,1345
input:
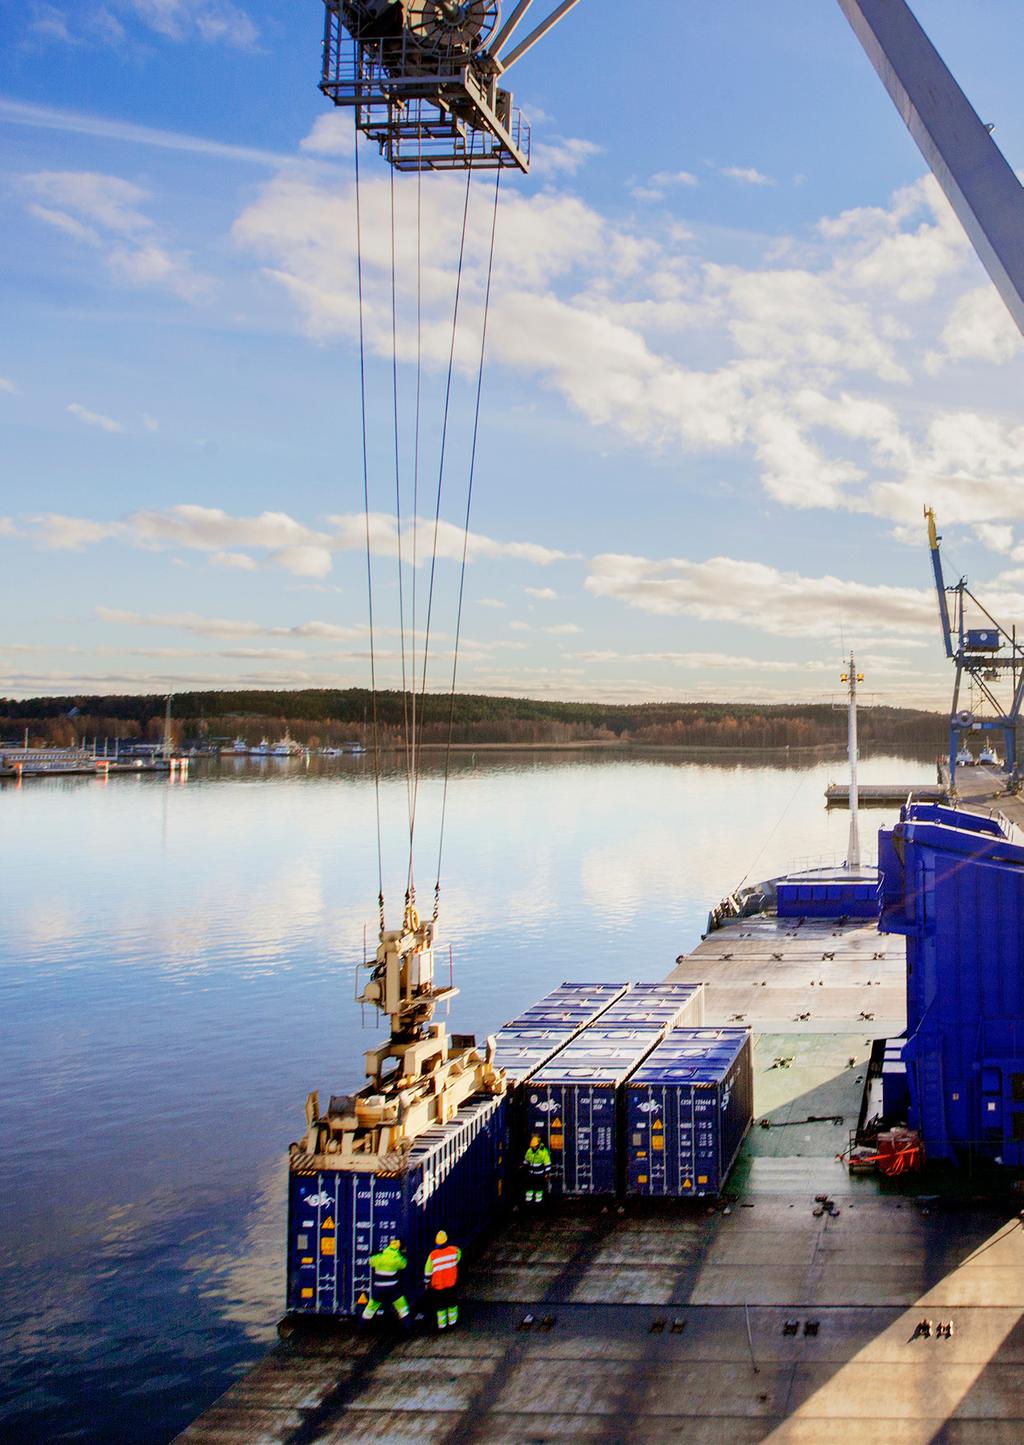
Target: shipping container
x,y
687,1110
819,895
571,1104
528,1041
521,1051
657,1005
338,1218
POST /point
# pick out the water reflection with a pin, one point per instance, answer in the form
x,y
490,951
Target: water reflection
x,y
176,971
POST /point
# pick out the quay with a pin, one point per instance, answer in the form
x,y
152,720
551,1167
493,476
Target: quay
x,y
885,795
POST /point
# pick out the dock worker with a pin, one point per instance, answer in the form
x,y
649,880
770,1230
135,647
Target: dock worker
x,y
386,1285
441,1273
538,1167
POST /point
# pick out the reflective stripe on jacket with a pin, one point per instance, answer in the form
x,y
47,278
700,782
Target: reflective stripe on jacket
x,y
387,1266
442,1266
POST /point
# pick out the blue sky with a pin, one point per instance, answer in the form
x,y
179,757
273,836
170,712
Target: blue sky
x,y
736,341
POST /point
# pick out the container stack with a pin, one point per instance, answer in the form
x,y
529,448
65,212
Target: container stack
x,y
527,1042
572,1102
687,1109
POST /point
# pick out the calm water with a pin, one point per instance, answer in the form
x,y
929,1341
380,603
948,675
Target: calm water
x,y
177,971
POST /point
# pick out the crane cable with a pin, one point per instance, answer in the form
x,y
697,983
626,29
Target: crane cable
x,y
398,503
465,536
439,490
366,515
410,881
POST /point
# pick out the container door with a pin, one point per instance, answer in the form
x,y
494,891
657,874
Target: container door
x,y
706,1139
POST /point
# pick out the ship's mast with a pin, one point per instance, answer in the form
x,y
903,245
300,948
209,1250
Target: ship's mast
x,y
851,678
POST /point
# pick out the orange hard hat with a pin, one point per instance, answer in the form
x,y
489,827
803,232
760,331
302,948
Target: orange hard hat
x,y
535,1141
441,1237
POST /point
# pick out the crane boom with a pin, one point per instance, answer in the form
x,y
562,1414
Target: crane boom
x,y
940,585
976,177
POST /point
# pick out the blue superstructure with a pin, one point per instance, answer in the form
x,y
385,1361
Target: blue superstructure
x,y
953,884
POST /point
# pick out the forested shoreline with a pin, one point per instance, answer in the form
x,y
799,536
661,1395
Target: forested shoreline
x,y
328,716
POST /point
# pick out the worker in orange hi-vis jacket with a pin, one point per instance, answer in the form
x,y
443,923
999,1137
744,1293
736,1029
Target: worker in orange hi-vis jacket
x,y
441,1273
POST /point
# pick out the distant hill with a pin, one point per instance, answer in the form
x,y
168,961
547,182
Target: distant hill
x,y
331,715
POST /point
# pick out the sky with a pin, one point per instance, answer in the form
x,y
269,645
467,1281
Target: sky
x,y
736,341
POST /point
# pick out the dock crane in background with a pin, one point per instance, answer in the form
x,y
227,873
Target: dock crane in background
x,y
980,653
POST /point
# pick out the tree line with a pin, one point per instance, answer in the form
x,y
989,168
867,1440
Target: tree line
x,y
331,716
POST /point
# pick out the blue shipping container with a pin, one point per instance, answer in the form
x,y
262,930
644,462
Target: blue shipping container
x,y
688,1108
812,897
338,1218
521,1051
657,1005
571,1003
571,1104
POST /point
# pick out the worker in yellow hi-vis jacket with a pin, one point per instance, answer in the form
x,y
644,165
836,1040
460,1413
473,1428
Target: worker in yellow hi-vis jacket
x,y
386,1285
538,1167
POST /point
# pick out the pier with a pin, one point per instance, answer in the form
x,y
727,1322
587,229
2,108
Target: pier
x,y
885,795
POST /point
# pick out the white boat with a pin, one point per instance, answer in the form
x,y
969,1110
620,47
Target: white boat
x,y
261,750
287,748
965,758
988,756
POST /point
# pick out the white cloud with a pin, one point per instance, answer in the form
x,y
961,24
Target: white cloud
x,y
724,589
542,594
237,561
69,534
7,527
979,329
746,176
71,122
104,212
227,626
562,156
8,386
94,418
994,536
212,21
563,629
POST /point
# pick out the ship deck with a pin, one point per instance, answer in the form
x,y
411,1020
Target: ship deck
x,y
755,1319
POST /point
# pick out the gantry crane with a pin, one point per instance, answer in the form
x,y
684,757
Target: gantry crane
x,y
989,655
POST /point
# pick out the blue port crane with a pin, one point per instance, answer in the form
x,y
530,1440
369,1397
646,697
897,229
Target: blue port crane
x,y
989,655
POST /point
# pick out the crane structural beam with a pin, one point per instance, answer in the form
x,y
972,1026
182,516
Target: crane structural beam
x,y
976,177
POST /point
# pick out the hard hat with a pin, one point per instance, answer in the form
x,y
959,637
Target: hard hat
x,y
395,1244
441,1237
535,1141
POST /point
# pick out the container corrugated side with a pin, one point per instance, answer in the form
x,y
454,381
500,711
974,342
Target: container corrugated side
x,y
521,1051
337,1219
530,1040
571,1104
687,1110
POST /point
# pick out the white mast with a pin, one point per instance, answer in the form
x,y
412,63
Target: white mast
x,y
852,677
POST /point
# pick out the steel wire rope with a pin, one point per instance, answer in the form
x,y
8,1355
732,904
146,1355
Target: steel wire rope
x,y
465,534
410,881
775,828
366,515
441,464
398,499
